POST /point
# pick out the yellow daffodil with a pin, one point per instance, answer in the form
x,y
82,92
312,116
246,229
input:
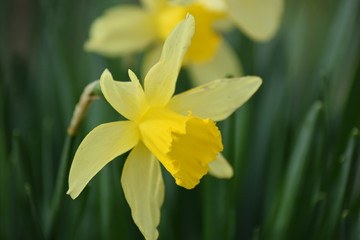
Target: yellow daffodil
x,y
177,131
126,29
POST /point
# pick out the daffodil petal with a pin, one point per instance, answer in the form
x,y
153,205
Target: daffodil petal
x,y
215,5
220,168
121,30
225,63
217,99
151,57
99,147
259,19
161,79
143,187
127,98
153,5
181,2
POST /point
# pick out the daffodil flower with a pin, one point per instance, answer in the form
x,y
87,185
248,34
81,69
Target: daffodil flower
x,y
177,131
127,29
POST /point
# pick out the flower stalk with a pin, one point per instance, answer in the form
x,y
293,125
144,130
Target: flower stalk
x,y
90,93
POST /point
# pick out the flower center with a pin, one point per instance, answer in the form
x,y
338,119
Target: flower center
x,y
185,145
205,41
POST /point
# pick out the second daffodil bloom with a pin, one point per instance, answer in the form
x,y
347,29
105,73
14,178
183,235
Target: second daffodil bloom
x,y
127,29
177,131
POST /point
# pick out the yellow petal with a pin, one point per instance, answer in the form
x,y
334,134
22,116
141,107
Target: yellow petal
x,y
151,57
183,144
220,168
143,187
99,147
225,63
215,5
217,99
180,2
127,98
153,5
259,19
121,30
161,79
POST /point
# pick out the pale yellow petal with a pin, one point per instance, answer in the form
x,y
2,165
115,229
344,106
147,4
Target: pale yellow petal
x,y
214,5
120,31
143,187
161,79
224,64
220,168
154,5
99,147
217,99
151,57
181,2
127,98
259,19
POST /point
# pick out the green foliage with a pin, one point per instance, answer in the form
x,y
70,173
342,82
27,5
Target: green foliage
x,y
294,146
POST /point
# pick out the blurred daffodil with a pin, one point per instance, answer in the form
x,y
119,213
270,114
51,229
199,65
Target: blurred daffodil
x,y
177,131
127,29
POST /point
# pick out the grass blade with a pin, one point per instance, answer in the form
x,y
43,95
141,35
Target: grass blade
x,y
59,191
335,203
278,224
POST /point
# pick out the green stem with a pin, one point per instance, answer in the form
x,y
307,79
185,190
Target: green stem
x,y
59,192
91,92
34,212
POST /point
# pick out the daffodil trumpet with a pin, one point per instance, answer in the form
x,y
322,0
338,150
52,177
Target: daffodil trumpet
x,y
178,131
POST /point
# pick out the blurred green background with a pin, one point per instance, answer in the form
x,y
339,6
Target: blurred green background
x,y
294,146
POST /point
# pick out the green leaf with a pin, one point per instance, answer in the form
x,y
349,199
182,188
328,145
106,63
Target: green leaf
x,y
335,202
277,224
4,173
59,192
